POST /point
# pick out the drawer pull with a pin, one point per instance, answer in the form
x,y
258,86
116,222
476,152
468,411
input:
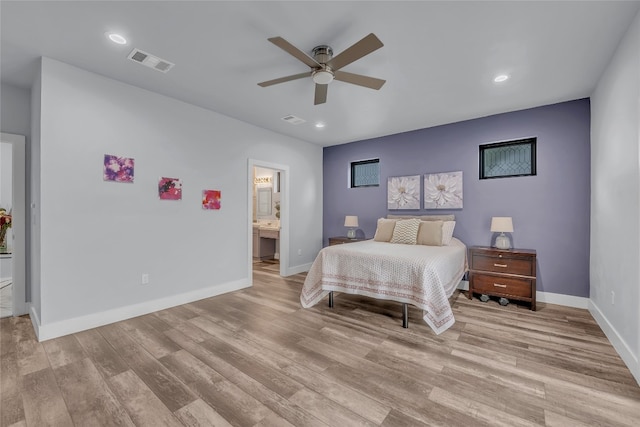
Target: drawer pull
x,y
500,265
499,285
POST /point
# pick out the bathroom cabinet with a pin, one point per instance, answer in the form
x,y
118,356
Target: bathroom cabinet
x,y
264,242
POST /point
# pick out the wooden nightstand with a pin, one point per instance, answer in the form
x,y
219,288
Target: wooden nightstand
x,y
341,239
508,273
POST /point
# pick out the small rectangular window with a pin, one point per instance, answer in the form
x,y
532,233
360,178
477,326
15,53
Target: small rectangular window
x,y
365,173
507,159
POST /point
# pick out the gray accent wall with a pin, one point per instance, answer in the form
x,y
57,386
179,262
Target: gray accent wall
x,y
550,210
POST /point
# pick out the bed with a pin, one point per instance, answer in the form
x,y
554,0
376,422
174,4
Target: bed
x,y
423,275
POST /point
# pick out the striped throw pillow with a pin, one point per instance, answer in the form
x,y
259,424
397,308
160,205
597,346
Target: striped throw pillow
x,y
406,231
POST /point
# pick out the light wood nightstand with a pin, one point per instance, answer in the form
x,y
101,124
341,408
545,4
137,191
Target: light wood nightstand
x,y
508,273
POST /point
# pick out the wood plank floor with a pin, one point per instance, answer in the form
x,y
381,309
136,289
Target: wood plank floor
x,y
256,358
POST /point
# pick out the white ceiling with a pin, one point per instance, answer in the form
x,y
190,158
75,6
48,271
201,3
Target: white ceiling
x,y
439,58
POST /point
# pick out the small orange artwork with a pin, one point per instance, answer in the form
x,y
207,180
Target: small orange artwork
x,y
211,199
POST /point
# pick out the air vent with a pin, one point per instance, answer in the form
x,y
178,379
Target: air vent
x,y
293,120
150,61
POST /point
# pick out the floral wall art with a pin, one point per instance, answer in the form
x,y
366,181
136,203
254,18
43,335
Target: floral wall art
x,y
211,199
118,169
403,192
170,188
443,190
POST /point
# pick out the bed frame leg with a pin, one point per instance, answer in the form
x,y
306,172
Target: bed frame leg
x,y
331,299
405,315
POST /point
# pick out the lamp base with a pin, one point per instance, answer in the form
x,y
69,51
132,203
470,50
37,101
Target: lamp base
x,y
351,234
503,242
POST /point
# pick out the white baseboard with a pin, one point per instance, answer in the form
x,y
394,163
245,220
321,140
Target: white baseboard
x,y
627,356
77,324
296,269
561,299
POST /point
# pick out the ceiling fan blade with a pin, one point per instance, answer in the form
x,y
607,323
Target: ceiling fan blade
x,y
321,94
359,79
294,51
284,79
355,52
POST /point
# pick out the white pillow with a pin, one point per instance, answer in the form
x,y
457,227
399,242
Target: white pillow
x,y
384,231
406,231
447,232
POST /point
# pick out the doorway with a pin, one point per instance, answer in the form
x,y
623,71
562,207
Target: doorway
x,y
268,214
13,200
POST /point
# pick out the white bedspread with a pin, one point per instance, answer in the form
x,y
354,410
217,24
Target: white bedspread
x,y
424,276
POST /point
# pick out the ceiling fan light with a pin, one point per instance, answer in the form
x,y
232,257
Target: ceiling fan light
x,y
322,77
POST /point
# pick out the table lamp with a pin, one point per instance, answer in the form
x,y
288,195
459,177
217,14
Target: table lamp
x,y
351,221
502,224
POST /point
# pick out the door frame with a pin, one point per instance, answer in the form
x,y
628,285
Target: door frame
x,y
284,213
18,221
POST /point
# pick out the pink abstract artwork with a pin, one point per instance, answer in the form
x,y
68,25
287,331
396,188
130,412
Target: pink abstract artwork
x,y
211,199
170,189
118,169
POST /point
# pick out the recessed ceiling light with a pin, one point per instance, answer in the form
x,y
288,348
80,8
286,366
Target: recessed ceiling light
x,y
501,78
320,125
117,38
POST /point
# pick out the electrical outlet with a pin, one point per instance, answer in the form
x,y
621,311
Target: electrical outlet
x,y
299,252
145,279
613,297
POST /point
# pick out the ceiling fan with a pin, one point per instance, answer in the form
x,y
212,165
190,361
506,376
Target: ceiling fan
x,y
325,67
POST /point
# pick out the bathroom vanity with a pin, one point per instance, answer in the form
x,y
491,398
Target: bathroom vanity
x,y
265,241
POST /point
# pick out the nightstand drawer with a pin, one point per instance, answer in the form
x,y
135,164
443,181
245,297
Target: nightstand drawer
x,y
506,263
501,285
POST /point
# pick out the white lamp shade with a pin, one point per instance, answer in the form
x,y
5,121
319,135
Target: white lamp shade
x,y
502,224
351,221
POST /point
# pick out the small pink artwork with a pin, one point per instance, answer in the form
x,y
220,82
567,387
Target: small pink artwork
x,y
211,199
118,169
170,189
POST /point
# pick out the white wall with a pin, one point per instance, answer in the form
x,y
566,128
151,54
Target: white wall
x,y
615,200
14,110
18,222
15,116
97,238
6,191
6,269
6,172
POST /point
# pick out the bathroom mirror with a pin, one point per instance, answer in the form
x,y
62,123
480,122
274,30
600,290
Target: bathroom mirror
x,y
263,202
